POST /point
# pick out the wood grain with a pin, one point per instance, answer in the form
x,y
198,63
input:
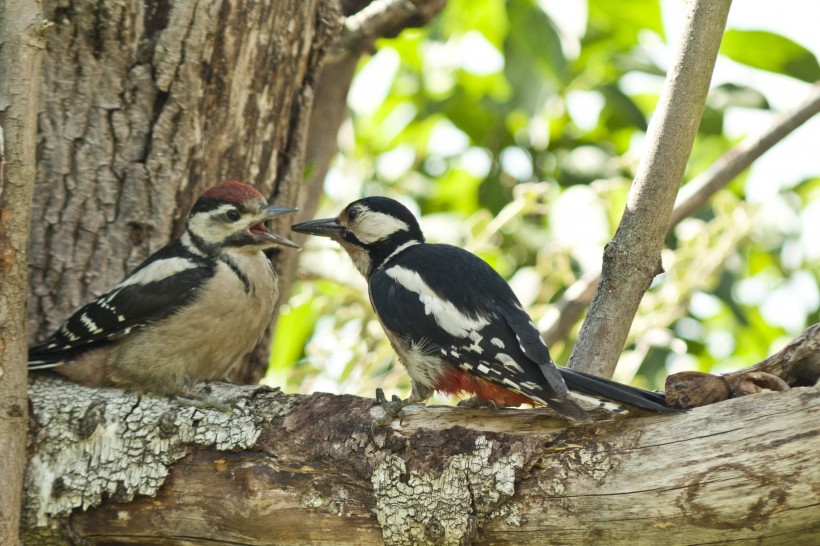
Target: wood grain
x,y
292,469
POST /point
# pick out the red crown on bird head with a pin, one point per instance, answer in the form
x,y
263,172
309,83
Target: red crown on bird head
x,y
233,191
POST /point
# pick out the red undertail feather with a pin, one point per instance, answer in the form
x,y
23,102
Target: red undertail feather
x,y
232,191
458,381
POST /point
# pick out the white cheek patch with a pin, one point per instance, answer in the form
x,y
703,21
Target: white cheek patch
x,y
446,315
208,227
370,226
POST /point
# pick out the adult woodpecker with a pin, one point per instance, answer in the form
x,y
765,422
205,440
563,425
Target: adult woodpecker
x,y
187,313
455,323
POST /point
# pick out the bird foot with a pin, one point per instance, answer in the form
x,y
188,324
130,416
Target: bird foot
x,y
392,409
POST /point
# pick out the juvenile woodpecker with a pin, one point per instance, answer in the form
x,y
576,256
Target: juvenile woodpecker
x,y
455,323
187,313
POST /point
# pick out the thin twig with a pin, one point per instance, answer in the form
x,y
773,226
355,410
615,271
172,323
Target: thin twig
x,y
574,302
695,194
381,18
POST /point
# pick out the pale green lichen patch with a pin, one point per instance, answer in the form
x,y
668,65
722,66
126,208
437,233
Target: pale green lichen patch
x,y
128,440
442,507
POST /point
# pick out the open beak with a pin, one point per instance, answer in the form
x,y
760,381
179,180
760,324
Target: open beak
x,y
327,227
261,231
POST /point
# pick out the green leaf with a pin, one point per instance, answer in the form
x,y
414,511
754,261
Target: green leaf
x,y
731,94
624,19
489,18
536,38
808,190
711,123
293,329
620,111
772,52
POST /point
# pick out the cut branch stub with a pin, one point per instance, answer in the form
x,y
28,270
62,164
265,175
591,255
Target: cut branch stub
x,y
797,365
694,389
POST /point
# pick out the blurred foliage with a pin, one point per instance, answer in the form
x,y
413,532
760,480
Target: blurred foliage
x,y
515,134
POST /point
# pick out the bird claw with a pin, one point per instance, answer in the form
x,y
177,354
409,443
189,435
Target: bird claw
x,y
392,409
380,399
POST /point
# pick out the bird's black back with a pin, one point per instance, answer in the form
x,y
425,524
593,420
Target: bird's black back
x,y
478,292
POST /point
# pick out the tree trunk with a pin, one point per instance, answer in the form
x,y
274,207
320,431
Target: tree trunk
x,y
146,104
22,37
291,469
366,21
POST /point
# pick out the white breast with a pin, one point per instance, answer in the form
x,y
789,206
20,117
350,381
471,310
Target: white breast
x,y
204,340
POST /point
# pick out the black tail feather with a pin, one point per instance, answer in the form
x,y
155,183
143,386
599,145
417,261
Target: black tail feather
x,y
592,385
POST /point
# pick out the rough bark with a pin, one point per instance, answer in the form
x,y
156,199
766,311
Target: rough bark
x,y
145,104
329,111
22,37
287,469
117,468
633,257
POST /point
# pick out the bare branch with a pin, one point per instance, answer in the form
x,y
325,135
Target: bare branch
x,y
633,257
571,306
695,194
296,469
382,18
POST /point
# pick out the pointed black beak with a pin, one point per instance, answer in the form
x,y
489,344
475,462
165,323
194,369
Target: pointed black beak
x,y
327,227
260,229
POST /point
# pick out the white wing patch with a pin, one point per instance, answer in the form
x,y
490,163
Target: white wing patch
x,y
446,314
156,271
476,346
497,342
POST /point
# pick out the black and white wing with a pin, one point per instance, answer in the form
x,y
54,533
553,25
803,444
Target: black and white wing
x,y
462,307
445,299
164,283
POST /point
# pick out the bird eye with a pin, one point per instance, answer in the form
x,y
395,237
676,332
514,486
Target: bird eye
x,y
352,214
232,215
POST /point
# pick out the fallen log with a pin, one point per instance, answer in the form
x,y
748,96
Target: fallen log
x,y
108,467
